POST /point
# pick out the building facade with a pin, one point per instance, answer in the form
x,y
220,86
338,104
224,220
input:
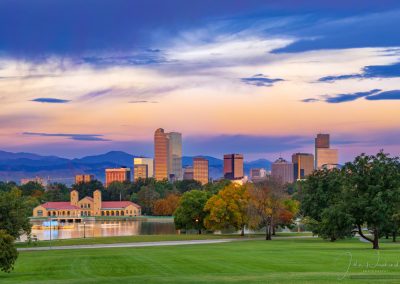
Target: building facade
x,y
282,171
175,156
161,149
143,168
38,180
327,158
167,155
119,174
258,174
86,207
303,165
233,166
83,178
200,170
324,155
188,173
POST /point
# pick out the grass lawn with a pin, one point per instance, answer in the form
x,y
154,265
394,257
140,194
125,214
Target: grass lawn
x,y
277,261
145,238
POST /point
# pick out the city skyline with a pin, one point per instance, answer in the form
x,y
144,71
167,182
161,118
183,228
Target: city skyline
x,y
255,78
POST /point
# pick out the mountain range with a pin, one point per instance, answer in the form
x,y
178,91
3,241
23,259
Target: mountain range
x,y
15,166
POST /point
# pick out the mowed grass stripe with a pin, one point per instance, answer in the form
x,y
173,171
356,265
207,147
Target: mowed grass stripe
x,y
292,260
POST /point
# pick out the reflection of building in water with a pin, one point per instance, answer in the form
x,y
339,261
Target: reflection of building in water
x,y
87,206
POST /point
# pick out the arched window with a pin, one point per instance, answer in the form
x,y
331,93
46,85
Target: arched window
x,y
102,213
108,213
122,213
112,213
117,213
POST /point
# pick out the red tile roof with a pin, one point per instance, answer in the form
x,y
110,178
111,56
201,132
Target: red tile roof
x,y
59,205
117,204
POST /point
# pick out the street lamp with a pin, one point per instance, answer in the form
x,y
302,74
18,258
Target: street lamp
x,y
197,225
84,229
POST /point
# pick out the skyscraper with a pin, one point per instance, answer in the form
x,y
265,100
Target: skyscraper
x,y
303,165
143,168
282,170
167,155
161,150
324,156
175,155
233,166
200,170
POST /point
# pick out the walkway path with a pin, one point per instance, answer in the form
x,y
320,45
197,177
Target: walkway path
x,y
151,244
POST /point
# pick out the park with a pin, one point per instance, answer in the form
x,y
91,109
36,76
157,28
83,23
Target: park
x,y
291,258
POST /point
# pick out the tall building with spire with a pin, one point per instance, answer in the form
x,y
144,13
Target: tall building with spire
x,y
167,155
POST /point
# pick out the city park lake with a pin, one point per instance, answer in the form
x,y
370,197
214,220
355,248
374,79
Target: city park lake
x,y
92,227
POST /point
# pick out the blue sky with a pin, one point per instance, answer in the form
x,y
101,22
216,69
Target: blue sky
x,y
83,77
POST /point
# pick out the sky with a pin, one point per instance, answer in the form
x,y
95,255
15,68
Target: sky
x,y
260,78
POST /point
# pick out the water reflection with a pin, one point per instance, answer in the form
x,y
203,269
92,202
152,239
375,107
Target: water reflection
x,y
107,229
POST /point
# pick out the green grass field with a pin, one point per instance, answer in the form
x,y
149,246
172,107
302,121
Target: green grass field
x,y
277,261
144,238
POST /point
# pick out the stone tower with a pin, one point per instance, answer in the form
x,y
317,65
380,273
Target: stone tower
x,y
97,202
74,196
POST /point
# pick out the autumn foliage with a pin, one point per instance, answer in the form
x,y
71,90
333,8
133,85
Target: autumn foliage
x,y
166,206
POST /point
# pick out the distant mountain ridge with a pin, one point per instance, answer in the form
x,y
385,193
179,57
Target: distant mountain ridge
x,y
15,166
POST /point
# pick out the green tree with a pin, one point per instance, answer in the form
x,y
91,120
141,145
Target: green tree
x,y
186,185
228,208
8,252
32,188
56,192
372,193
215,187
322,202
14,212
118,191
146,197
87,188
190,213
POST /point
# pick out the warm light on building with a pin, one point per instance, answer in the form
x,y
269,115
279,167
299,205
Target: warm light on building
x,y
303,165
200,170
143,168
324,156
83,178
120,175
282,171
233,166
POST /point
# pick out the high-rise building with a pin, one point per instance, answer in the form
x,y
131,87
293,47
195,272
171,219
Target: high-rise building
x,y
167,155
258,174
322,141
233,166
327,158
175,155
161,150
303,165
200,170
119,174
83,178
324,156
143,168
188,173
282,170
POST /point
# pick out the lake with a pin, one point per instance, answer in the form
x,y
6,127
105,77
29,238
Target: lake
x,y
108,229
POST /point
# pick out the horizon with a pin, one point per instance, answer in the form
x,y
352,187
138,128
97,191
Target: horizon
x,y
258,78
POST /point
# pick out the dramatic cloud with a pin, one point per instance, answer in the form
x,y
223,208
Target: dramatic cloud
x,y
374,71
50,100
260,80
389,95
78,137
373,95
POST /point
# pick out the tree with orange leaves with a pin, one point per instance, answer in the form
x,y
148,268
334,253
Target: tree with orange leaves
x,y
228,208
166,206
269,206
